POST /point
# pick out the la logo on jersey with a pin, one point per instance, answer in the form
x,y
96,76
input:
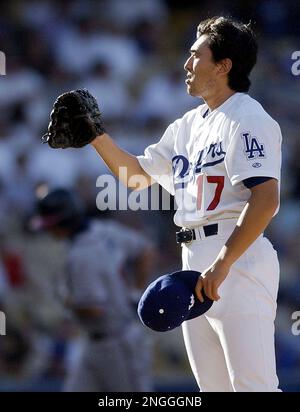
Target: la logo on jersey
x,y
253,148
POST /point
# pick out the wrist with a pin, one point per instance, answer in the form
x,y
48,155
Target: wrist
x,y
98,139
222,264
224,260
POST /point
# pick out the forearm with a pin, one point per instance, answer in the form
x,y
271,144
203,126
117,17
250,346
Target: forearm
x,y
122,164
253,220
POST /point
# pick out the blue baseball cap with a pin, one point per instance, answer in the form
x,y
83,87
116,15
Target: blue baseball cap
x,y
170,300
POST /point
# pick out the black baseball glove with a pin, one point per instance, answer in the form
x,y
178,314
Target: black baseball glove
x,y
74,121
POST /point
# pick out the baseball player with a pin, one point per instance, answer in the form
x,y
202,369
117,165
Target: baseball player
x,y
115,356
222,163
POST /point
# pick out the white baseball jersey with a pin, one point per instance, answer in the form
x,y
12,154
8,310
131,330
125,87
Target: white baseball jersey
x,y
203,160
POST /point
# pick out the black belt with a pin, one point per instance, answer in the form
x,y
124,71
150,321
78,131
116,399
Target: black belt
x,y
186,235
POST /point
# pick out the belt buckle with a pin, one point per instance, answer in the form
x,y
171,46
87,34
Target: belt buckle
x,y
185,235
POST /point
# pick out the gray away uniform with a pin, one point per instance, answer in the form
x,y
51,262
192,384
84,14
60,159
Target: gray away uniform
x,y
116,353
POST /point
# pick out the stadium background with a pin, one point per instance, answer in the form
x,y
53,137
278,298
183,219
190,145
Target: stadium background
x,y
130,55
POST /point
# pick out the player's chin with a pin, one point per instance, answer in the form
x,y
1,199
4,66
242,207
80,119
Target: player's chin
x,y
190,90
189,87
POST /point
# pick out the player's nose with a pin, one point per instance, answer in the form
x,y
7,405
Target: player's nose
x,y
188,64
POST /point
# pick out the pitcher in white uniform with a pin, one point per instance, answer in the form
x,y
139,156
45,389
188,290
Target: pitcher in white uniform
x,y
224,159
222,162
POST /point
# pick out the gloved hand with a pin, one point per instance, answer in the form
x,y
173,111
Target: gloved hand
x,y
74,121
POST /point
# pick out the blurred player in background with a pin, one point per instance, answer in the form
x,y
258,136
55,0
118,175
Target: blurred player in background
x,y
116,353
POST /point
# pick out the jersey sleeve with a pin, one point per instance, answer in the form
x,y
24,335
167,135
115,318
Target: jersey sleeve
x,y
254,149
157,159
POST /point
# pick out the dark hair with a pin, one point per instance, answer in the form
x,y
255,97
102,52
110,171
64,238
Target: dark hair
x,y
233,40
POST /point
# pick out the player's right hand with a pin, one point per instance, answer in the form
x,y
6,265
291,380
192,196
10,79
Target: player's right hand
x,y
210,280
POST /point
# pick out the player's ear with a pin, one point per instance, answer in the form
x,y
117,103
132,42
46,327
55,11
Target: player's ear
x,y
224,66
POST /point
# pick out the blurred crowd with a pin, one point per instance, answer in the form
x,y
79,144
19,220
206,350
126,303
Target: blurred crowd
x,y
130,55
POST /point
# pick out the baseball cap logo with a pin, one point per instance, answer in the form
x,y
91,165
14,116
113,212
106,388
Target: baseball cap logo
x,y
192,302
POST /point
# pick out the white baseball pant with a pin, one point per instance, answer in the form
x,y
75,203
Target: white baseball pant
x,y
231,346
